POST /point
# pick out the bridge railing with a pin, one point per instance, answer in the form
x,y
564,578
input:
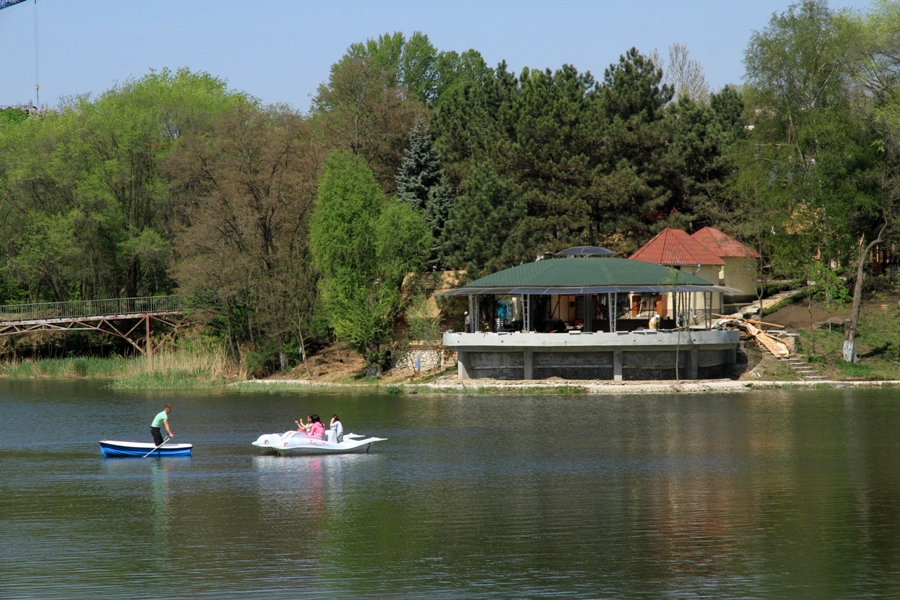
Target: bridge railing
x,y
89,308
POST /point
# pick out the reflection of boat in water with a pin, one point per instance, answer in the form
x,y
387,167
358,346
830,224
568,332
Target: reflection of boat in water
x,y
113,448
293,443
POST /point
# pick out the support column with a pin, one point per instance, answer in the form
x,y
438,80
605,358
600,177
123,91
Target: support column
x,y
476,321
588,306
617,365
529,364
692,364
731,356
149,348
462,365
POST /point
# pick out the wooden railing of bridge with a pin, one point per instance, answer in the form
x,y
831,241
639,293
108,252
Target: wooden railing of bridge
x,y
121,317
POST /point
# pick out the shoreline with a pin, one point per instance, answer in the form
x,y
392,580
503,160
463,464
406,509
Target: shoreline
x,y
585,387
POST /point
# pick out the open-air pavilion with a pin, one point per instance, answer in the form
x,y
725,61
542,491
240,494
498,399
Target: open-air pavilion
x,y
572,318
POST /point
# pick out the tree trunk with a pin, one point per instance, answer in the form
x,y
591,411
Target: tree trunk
x,y
303,350
849,350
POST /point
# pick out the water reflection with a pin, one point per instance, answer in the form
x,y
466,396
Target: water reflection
x,y
760,495
162,498
302,491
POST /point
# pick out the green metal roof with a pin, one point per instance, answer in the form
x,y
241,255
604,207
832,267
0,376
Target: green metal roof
x,y
570,272
586,275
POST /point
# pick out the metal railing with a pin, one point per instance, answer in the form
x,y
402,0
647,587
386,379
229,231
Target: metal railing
x,y
90,308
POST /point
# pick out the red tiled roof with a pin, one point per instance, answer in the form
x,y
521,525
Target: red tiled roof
x,y
674,247
723,245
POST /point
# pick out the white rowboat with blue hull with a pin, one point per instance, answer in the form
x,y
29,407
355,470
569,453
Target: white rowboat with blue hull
x,y
116,449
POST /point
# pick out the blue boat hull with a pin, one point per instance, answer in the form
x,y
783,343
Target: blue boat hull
x,y
116,449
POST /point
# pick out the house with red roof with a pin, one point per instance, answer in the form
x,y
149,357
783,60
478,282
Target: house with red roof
x,y
741,263
676,248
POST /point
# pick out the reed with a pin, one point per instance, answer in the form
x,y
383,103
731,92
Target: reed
x,y
196,365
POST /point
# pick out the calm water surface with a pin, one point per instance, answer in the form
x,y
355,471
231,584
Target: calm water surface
x,y
762,495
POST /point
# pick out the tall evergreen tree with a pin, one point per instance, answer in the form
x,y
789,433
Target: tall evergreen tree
x,y
634,199
478,234
422,184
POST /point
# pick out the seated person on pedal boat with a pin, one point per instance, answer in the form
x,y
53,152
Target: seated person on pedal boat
x,y
338,428
304,427
317,430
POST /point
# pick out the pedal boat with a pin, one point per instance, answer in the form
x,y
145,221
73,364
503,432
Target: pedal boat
x,y
116,449
296,443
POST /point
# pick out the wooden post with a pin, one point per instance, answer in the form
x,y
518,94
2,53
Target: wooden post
x,y
149,341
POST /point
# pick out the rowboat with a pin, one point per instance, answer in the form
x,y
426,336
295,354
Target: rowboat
x,y
113,448
293,443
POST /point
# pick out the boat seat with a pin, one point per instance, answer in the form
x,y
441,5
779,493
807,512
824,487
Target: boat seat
x,y
329,436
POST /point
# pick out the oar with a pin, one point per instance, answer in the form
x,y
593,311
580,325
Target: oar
x,y
157,448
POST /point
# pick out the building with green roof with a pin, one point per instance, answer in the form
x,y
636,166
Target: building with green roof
x,y
573,318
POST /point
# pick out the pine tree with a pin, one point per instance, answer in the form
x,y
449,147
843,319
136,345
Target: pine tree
x,y
422,184
486,227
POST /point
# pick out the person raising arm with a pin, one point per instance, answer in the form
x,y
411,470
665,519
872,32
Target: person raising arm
x,y
338,428
304,427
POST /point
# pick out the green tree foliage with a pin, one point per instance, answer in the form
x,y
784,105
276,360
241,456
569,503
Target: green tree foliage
x,y
816,146
607,163
245,194
421,183
364,245
701,136
476,237
363,107
83,185
636,202
809,68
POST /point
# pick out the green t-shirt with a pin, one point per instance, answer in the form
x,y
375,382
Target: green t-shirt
x,y
158,419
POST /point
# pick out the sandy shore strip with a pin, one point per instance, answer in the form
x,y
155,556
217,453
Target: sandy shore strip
x,y
450,385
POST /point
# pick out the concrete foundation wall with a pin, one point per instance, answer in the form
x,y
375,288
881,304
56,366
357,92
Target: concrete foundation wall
x,y
573,365
602,356
496,365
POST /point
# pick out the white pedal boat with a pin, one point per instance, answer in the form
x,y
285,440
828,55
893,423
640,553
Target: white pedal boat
x,y
294,443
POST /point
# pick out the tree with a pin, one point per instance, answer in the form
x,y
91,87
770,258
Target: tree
x,y
246,192
364,246
477,237
94,167
634,199
683,74
825,163
422,184
362,110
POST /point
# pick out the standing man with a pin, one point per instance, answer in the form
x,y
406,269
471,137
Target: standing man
x,y
161,419
468,322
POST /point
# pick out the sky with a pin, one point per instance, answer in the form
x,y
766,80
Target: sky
x,y
279,51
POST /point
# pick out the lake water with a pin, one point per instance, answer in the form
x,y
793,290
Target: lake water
x,y
761,495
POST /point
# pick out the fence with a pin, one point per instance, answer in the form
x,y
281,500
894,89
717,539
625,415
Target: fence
x,y
114,307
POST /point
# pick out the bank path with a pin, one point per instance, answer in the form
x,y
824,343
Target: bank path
x,y
451,385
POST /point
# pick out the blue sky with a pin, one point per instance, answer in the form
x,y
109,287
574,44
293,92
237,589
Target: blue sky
x,y
280,50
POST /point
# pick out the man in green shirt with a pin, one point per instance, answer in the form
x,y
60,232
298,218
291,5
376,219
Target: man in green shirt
x,y
161,419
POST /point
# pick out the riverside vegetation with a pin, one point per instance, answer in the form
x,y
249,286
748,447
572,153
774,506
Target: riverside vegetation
x,y
285,231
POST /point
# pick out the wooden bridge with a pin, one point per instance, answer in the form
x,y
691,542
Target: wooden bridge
x,y
120,317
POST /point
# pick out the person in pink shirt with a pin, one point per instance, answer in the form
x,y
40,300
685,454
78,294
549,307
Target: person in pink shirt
x,y
317,430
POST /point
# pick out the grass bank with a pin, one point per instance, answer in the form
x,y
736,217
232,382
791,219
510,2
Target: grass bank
x,y
195,366
877,346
